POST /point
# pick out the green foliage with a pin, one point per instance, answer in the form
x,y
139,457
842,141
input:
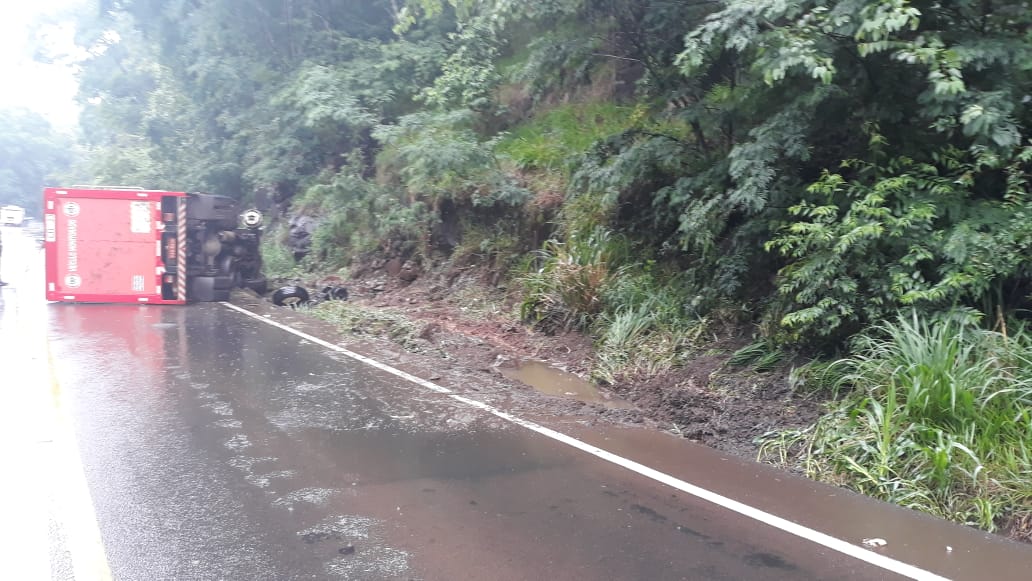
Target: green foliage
x,y
566,290
31,154
648,326
557,63
817,164
911,113
212,98
493,240
761,355
659,187
439,156
277,261
324,98
930,235
468,73
817,378
938,420
554,139
642,319
357,216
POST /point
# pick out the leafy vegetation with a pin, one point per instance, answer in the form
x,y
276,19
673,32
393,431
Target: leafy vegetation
x,y
32,154
555,139
938,417
798,172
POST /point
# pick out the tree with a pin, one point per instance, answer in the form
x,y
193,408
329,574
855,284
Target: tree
x,y
908,119
31,153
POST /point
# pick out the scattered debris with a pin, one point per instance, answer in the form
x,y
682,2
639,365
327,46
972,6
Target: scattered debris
x,y
294,296
334,293
875,542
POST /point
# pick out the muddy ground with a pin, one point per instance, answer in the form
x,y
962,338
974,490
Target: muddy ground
x,y
460,328
465,324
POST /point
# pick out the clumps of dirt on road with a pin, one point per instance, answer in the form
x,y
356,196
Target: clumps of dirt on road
x,y
457,318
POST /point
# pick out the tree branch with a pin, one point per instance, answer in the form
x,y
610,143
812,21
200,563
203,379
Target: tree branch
x,y
613,56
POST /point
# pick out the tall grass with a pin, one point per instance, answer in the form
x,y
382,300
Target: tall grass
x,y
549,141
639,341
566,291
937,417
594,283
277,261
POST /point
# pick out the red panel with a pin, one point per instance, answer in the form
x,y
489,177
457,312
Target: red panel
x,y
103,245
78,193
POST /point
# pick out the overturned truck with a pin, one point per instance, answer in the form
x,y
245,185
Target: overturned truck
x,y
130,245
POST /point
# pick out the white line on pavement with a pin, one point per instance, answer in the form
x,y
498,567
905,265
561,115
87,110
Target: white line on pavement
x,y
767,518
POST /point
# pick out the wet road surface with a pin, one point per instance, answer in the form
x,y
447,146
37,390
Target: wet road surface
x,y
217,447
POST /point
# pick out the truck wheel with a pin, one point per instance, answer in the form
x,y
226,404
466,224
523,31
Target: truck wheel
x,y
290,296
259,285
224,282
209,288
228,268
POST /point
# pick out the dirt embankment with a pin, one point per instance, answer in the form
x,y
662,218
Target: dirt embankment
x,y
460,317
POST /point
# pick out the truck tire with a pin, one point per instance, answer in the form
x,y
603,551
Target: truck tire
x,y
228,268
206,289
259,285
290,296
202,289
224,281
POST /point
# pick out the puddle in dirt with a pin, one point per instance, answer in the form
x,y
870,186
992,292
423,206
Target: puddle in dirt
x,y
552,381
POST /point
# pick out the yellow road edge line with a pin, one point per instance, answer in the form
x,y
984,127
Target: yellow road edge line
x,y
78,516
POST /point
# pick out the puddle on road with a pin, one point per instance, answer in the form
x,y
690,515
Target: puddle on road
x,y
552,381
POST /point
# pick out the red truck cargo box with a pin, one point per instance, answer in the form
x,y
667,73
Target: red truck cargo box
x,y
105,245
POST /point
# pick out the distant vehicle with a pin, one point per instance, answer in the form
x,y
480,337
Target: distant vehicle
x,y
12,215
130,245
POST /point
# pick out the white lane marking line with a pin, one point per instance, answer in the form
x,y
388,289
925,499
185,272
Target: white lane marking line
x,y
722,501
381,366
764,517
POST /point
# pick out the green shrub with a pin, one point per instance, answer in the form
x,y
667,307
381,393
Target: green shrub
x,y
552,140
876,237
565,292
277,261
640,342
439,156
939,419
357,216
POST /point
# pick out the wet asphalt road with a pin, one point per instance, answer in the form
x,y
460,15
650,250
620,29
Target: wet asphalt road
x,y
217,447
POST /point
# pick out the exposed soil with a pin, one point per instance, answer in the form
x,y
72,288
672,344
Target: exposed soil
x,y
465,320
463,328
